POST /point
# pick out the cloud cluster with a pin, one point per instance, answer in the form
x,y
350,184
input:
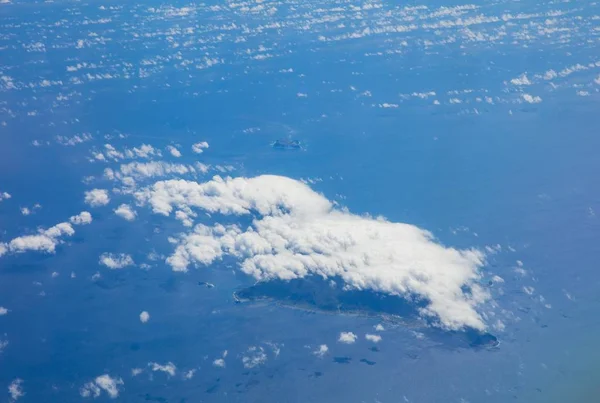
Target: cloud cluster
x,y
169,367
81,219
347,338
129,173
321,351
45,240
116,260
97,197
174,151
375,338
198,148
112,154
125,211
296,232
15,389
255,356
102,383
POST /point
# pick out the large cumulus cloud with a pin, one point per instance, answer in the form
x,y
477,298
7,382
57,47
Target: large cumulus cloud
x,y
296,232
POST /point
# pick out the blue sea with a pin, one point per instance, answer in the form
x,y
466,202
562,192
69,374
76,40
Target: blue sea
x,y
404,110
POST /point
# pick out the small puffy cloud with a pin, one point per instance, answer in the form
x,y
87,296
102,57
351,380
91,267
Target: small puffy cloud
x,y
116,260
3,311
321,351
347,337
97,197
375,338
296,232
379,327
189,374
136,371
125,211
521,80
102,383
144,317
144,151
220,362
81,219
531,99
174,151
169,368
43,241
33,242
143,170
198,148
4,196
15,389
255,356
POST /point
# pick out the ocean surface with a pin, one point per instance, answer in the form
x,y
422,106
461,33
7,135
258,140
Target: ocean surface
x,y
475,122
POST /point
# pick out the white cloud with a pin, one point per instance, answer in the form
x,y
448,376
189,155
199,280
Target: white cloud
x,y
102,383
256,356
81,219
136,371
375,338
142,170
219,362
174,151
297,232
76,139
125,211
3,311
321,351
4,196
144,151
97,197
198,147
379,327
43,241
347,337
144,317
169,367
521,80
116,261
189,374
15,389
531,99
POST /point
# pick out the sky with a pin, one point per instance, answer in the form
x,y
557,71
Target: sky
x,y
434,238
